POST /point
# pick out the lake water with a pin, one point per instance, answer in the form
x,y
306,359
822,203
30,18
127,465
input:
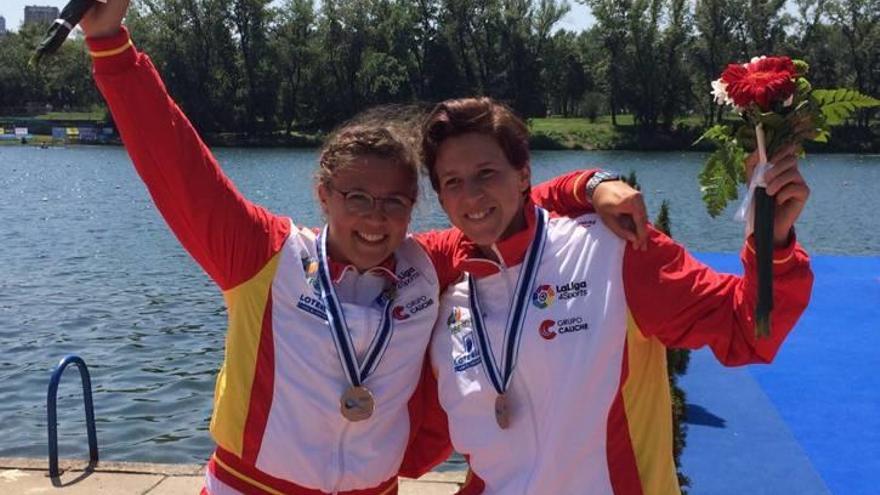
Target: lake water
x,y
87,266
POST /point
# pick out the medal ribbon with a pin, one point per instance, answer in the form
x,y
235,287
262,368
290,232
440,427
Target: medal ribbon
x,y
357,372
517,315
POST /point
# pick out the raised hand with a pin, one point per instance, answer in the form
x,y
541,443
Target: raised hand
x,y
104,19
786,184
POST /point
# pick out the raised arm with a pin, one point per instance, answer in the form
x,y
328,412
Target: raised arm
x,y
686,304
228,236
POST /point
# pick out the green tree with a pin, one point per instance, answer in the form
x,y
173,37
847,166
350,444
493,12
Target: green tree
x,y
610,28
675,44
859,22
565,77
190,41
251,20
62,81
296,57
715,22
764,24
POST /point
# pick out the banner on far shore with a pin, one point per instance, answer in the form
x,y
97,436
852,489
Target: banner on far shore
x,y
88,134
21,131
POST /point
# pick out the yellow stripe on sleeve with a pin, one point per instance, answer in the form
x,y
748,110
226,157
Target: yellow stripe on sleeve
x,y
648,406
581,188
113,51
246,305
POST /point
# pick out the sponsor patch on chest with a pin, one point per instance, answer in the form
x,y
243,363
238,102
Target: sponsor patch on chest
x,y
547,294
465,351
550,329
405,311
310,270
312,305
407,277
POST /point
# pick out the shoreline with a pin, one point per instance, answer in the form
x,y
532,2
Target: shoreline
x,y
546,134
537,143
30,475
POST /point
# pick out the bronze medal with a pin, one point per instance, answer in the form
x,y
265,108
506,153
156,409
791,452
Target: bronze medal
x,y
357,403
502,412
500,376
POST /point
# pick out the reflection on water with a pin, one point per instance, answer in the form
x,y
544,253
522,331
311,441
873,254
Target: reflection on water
x,y
88,267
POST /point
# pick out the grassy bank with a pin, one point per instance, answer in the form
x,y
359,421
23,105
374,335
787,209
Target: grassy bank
x,y
601,134
551,133
555,133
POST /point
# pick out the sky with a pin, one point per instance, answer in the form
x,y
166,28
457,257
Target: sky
x,y
13,10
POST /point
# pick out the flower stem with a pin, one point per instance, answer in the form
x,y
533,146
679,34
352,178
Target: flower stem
x,y
765,208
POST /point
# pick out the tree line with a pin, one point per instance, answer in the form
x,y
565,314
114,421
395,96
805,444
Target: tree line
x,y
251,66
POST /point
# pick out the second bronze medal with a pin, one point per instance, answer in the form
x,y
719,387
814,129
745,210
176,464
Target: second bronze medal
x,y
356,403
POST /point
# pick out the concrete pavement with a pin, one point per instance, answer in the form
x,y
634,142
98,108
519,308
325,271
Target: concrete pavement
x,y
30,477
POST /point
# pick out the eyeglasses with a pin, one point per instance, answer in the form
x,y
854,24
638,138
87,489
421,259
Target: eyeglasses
x,y
361,203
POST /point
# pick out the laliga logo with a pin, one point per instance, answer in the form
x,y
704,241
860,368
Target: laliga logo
x,y
543,296
545,329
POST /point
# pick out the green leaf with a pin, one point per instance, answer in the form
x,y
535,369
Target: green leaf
x,y
838,104
803,86
801,67
716,134
721,175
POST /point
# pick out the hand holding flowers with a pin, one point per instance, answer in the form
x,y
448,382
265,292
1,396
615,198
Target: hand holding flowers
x,y
779,110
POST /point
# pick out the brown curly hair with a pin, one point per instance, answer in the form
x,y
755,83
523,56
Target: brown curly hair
x,y
389,132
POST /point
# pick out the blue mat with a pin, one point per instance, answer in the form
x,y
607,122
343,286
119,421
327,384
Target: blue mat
x,y
810,422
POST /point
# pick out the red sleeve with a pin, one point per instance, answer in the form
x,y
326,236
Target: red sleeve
x,y
429,443
441,248
686,304
565,195
227,235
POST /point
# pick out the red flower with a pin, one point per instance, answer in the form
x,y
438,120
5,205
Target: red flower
x,y
763,81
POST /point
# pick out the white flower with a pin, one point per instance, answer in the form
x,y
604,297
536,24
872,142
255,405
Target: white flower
x,y
719,91
755,59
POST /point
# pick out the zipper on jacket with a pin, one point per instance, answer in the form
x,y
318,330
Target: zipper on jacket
x,y
510,287
534,424
340,464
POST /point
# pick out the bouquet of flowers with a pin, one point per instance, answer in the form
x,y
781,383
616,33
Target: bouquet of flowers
x,y
69,17
778,107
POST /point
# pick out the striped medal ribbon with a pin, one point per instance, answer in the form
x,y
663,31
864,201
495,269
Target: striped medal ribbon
x,y
357,402
500,377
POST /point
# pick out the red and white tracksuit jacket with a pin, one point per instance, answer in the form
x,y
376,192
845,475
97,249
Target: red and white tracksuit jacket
x,y
276,418
591,408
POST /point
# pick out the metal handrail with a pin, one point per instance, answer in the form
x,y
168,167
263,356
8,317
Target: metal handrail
x,y
53,417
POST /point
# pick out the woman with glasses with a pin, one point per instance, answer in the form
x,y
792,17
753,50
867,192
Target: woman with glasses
x,y
550,353
327,328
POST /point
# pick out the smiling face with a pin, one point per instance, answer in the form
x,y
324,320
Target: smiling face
x,y
366,238
481,192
